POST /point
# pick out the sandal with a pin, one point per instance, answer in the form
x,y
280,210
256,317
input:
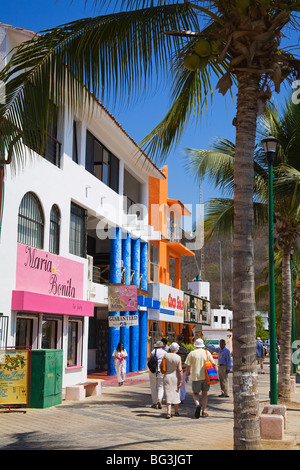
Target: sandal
x,y
204,414
176,414
153,406
168,416
197,411
159,405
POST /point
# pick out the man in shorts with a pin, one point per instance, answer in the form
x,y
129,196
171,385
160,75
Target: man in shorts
x,y
195,364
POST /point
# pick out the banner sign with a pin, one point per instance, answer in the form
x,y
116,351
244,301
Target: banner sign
x,y
196,309
45,273
122,298
125,320
171,303
14,377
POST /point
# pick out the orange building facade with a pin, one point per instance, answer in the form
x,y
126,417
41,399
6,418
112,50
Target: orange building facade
x,y
165,215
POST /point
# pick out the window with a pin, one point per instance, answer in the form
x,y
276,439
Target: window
x,y
48,147
101,162
171,334
31,221
51,332
74,343
177,235
54,230
170,226
77,240
27,330
155,332
24,332
75,143
153,262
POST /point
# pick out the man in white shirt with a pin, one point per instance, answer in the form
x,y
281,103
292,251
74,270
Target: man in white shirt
x,y
195,364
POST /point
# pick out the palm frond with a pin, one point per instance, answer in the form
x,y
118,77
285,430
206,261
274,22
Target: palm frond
x,y
219,217
53,66
192,90
216,165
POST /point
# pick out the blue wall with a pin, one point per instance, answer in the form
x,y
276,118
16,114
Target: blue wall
x,y
115,277
126,256
134,255
134,330
143,313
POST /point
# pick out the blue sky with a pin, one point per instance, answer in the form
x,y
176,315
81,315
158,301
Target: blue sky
x,y
138,120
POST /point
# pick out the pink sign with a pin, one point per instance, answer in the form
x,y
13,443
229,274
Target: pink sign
x,y
44,273
32,302
122,298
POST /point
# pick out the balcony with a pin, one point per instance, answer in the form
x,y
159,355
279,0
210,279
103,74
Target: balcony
x,y
100,275
50,149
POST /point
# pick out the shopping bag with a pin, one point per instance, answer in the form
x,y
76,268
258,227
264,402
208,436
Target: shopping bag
x,y
163,365
211,374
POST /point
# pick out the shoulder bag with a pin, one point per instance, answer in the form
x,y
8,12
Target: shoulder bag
x,y
211,374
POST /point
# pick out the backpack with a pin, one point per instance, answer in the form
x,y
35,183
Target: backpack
x,y
153,363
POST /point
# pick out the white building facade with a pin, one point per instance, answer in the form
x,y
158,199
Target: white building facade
x,y
60,215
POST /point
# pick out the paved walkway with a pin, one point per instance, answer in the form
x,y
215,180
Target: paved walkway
x,y
121,419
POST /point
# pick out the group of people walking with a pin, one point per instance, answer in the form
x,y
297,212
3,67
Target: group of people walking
x,y
180,365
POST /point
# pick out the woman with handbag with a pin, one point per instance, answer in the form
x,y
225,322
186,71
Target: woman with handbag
x,y
172,379
156,377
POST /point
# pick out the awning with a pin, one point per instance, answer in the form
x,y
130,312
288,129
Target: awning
x,y
33,302
178,250
148,302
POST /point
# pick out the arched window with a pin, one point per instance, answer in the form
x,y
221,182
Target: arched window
x,y
31,221
54,230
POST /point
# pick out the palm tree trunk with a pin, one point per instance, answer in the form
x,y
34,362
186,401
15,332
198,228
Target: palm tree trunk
x,y
284,370
246,419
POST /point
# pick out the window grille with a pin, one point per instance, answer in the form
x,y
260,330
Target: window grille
x,y
31,221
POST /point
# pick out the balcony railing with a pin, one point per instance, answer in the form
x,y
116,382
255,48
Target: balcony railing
x,y
101,275
50,149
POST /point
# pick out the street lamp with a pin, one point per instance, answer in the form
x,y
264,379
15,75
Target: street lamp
x,y
270,145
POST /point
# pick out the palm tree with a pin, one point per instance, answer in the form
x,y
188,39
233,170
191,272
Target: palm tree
x,y
239,45
218,165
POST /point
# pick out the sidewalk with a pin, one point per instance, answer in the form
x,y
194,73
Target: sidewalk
x,y
121,419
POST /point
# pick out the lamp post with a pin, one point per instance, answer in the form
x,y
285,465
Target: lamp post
x,y
270,145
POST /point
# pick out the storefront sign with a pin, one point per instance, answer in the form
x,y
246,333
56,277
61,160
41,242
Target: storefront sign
x,y
44,273
126,320
31,302
14,377
206,312
196,309
171,303
122,298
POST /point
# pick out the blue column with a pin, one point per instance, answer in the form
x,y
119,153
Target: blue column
x,y
125,330
143,330
115,277
134,330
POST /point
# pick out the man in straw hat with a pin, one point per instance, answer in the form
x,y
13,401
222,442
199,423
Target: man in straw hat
x,y
195,364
